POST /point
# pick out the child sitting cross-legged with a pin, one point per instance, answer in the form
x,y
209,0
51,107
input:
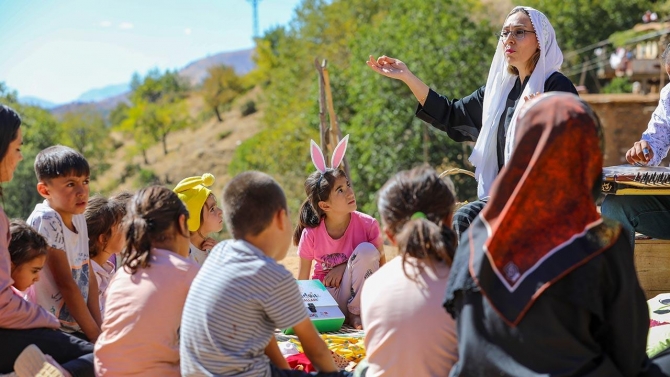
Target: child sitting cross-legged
x,y
68,288
242,294
143,308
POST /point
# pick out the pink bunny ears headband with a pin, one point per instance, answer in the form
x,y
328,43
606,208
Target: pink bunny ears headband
x,y
319,160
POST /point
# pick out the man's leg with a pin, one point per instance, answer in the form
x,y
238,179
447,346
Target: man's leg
x,y
646,214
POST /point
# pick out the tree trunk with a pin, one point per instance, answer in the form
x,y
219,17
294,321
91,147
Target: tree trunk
x,y
144,154
218,115
165,144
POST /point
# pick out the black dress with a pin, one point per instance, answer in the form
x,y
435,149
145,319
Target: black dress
x,y
592,322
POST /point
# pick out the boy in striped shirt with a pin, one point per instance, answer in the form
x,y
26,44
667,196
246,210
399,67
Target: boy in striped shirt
x,y
242,294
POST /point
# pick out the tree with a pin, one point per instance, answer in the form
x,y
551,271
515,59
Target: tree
x,y
85,130
452,56
158,107
220,88
40,130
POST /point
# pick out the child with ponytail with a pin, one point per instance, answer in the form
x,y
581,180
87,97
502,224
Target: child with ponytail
x,y
146,296
402,303
345,244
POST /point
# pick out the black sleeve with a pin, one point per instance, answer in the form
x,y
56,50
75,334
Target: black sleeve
x,y
626,310
461,119
559,83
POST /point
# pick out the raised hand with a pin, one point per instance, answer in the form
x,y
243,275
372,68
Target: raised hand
x,y
389,67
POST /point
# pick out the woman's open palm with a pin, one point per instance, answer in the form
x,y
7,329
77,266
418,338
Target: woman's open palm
x,y
387,66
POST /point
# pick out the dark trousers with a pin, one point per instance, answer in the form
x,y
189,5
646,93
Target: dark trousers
x,y
647,214
74,354
465,215
276,372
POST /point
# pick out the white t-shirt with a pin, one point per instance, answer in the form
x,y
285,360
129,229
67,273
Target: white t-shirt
x,y
401,316
197,255
75,245
103,274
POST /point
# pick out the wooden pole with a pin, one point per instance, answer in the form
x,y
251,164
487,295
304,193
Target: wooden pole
x,y
335,133
323,127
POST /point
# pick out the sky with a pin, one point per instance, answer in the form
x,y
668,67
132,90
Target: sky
x,y
58,49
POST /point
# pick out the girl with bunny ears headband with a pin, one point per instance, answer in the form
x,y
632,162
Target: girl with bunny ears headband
x,y
345,245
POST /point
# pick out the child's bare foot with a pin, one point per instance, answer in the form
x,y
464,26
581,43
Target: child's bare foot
x,y
355,321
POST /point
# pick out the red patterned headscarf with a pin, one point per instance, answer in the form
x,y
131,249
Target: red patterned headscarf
x,y
541,206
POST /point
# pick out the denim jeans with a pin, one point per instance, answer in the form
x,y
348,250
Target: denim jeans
x,y
75,355
646,214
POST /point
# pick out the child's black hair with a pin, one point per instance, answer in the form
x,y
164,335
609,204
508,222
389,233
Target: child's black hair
x,y
25,243
60,161
152,214
317,188
416,207
250,201
101,215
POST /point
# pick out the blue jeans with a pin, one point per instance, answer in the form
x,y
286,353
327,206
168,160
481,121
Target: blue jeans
x,y
74,354
646,214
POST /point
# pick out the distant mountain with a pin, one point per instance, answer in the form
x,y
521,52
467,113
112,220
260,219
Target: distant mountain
x,y
34,101
104,106
105,99
95,95
241,61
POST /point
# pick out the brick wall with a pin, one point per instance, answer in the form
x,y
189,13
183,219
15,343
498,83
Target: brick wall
x,y
624,117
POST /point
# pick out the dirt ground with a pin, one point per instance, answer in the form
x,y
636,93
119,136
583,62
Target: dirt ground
x,y
292,260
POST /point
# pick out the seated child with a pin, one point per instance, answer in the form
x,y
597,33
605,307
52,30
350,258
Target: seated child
x,y
401,303
140,332
346,244
242,294
68,288
105,238
28,250
205,216
23,323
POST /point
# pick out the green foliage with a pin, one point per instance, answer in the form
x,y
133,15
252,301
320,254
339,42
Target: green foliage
x,y
40,130
147,177
224,134
579,23
619,85
220,88
159,107
85,131
248,108
450,53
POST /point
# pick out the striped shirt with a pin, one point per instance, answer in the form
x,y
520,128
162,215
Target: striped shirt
x,y
238,299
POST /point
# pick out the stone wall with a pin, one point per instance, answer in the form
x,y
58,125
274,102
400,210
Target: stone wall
x,y
624,117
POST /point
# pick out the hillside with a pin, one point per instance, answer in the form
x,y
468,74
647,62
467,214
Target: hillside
x,y
208,147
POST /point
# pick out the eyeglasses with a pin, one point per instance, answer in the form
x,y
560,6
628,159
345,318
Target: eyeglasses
x,y
518,34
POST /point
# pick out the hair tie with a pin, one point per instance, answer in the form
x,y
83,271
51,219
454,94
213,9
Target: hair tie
x,y
418,215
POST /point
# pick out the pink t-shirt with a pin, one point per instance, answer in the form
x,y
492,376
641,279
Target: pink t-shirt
x,y
402,315
315,243
140,331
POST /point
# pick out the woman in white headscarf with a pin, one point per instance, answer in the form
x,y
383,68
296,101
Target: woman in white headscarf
x,y
526,63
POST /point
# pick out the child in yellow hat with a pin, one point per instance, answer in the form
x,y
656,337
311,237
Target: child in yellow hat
x,y
205,216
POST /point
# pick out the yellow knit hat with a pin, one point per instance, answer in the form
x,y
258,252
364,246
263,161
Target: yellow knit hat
x,y
193,192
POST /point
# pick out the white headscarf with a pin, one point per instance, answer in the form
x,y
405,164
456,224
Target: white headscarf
x,y
498,85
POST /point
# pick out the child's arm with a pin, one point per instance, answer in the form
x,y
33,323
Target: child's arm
x,y
382,255
60,268
93,296
304,269
274,354
314,347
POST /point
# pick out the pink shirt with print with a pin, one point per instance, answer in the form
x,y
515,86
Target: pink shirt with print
x,y
315,243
